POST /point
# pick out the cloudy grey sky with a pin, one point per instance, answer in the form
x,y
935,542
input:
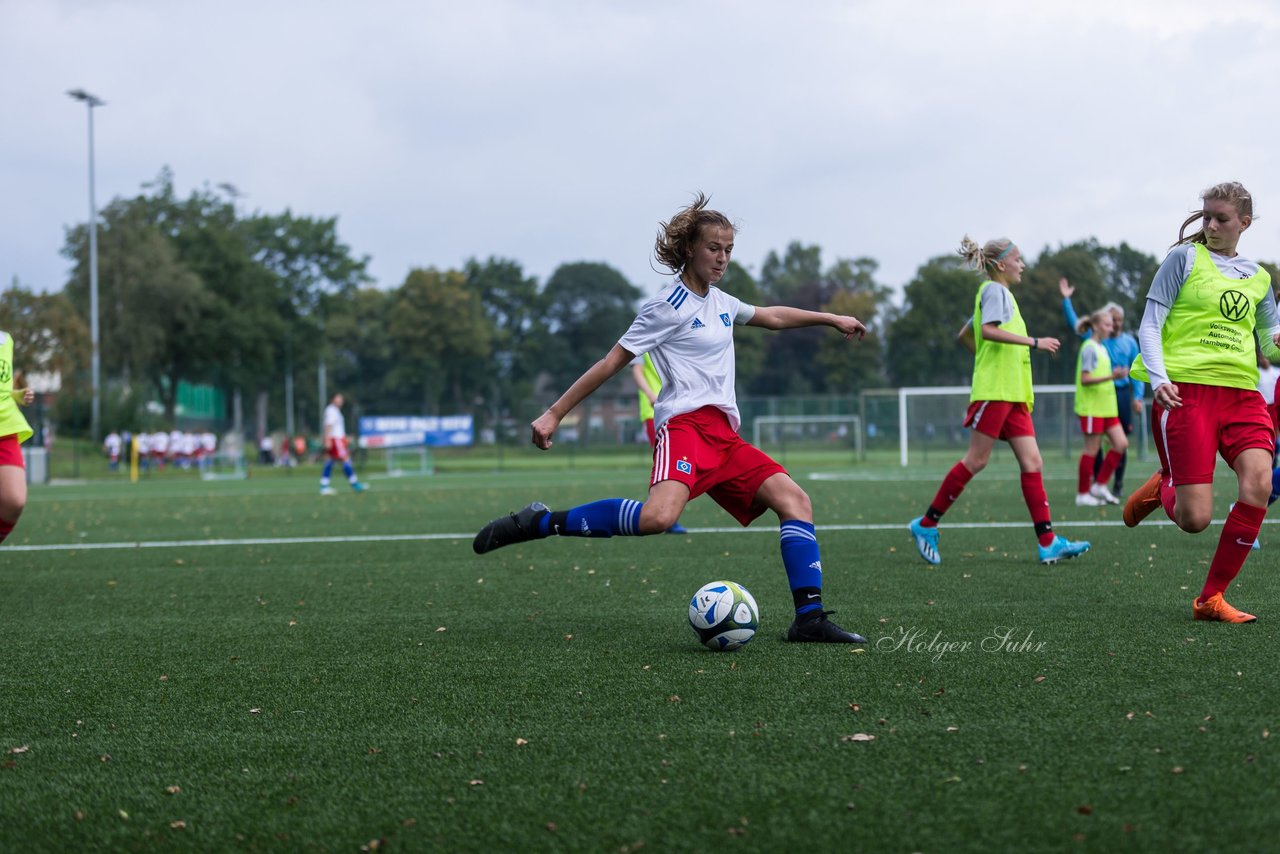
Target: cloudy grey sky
x,y
549,131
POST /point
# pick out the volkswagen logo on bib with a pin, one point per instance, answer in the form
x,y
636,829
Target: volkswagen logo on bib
x,y
1234,305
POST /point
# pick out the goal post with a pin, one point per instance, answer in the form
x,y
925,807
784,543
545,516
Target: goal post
x,y
807,432
407,461
935,413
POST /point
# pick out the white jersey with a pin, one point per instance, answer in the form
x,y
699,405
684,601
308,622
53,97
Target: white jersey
x,y
690,339
334,428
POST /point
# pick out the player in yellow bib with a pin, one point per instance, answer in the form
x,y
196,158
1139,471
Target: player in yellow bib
x,y
1207,309
1098,407
1000,402
14,430
649,385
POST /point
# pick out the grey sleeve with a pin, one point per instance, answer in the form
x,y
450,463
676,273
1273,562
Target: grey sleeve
x,y
996,305
1169,278
1149,342
1266,325
1088,360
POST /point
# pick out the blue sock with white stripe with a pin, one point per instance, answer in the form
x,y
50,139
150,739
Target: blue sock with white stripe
x,y
803,562
602,518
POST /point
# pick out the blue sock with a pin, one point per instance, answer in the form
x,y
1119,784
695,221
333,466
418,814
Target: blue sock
x,y
347,470
803,562
324,475
602,518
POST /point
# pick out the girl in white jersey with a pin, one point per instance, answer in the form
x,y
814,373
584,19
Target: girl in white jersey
x,y
1206,307
687,329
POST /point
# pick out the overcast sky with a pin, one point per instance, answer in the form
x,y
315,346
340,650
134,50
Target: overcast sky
x,y
551,132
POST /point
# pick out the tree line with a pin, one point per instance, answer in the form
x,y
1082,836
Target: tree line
x,y
194,290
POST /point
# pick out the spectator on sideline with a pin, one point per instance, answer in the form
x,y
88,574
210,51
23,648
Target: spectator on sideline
x,y
111,447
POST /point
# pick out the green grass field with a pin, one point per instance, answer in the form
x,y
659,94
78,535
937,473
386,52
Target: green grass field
x,y
263,669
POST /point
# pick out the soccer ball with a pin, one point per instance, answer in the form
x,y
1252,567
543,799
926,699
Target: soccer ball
x,y
723,615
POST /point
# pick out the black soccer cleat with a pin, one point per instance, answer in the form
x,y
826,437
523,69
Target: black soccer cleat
x,y
518,527
818,629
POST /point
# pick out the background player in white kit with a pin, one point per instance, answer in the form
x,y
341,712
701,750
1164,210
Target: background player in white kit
x,y
335,446
687,329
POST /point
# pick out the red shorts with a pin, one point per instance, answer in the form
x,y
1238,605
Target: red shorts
x,y
650,432
11,451
1212,420
1092,425
701,450
337,449
1000,419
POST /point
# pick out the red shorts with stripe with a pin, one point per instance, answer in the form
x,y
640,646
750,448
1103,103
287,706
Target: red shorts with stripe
x,y
1275,408
701,450
337,449
11,451
1000,419
1212,420
1092,425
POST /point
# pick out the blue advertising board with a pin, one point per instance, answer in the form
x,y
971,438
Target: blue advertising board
x,y
407,431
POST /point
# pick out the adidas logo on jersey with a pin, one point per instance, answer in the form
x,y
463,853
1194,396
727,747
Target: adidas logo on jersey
x,y
697,324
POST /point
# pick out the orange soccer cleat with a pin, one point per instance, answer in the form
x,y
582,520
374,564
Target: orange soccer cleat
x,y
1216,608
1144,499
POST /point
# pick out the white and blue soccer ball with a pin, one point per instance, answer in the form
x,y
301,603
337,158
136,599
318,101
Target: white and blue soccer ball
x,y
724,615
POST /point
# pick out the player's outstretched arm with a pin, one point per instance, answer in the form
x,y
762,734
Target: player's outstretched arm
x,y
993,332
544,426
786,317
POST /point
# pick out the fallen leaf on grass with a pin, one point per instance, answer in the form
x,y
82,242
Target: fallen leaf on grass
x,y
24,748
521,742
1039,679
858,736
475,782
178,825
173,790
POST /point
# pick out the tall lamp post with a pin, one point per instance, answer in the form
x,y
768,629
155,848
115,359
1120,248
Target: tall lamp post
x,y
92,101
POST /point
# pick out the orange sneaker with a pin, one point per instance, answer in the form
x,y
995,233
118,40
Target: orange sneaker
x,y
1216,608
1143,500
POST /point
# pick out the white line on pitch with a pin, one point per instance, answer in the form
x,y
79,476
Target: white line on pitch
x,y
385,538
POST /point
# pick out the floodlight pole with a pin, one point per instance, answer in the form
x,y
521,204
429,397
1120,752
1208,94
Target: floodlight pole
x,y
92,101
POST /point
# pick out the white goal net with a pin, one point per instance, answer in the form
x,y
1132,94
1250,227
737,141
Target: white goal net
x,y
777,434
930,420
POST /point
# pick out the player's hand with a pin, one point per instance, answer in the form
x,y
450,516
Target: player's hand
x,y
544,428
1275,339
1049,344
1065,288
1137,407
28,396
850,327
1167,396
1119,372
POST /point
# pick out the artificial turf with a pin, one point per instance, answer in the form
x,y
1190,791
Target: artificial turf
x,y
265,684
